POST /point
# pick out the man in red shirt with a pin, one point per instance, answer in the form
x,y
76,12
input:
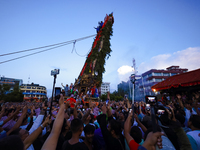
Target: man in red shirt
x,y
92,91
72,101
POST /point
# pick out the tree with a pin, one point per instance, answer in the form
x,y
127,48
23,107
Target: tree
x,y
3,90
113,96
8,96
103,97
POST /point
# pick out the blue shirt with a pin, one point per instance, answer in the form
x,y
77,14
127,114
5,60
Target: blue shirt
x,y
3,135
66,90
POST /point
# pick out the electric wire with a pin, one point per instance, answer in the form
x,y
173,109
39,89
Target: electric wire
x,y
82,55
47,46
33,53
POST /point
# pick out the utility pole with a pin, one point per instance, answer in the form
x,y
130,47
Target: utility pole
x,y
134,81
130,89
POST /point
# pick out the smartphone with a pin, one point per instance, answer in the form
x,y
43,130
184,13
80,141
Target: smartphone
x,y
130,110
148,107
29,111
161,111
57,93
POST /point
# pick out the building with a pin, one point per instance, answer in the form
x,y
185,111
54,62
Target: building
x,y
152,77
11,81
187,83
105,87
33,91
125,88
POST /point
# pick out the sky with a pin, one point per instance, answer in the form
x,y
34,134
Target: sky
x,y
156,33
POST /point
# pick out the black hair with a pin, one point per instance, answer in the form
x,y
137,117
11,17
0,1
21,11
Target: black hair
x,y
195,119
15,132
136,134
76,124
188,102
116,126
10,110
51,124
180,118
11,142
71,111
89,129
25,118
92,118
150,130
63,127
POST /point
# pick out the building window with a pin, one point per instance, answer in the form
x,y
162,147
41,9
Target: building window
x,y
158,80
149,81
28,87
150,75
172,74
166,74
157,74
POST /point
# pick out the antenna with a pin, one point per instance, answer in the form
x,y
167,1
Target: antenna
x,y
134,65
28,78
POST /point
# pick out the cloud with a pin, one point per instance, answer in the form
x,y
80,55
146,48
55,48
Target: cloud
x,y
124,69
188,58
124,72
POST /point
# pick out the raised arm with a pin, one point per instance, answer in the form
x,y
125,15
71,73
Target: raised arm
x,y
144,129
2,111
180,101
19,122
140,109
103,125
127,128
75,111
9,118
128,104
51,142
85,116
33,136
62,85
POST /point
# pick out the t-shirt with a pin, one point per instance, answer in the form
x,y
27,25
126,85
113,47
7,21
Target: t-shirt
x,y
3,134
194,137
70,102
188,114
66,90
133,146
77,146
93,91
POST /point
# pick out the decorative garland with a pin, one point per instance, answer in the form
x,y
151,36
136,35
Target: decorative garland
x,y
100,57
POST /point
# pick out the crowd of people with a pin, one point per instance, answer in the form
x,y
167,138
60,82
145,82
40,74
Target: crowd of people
x,y
74,125
68,91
